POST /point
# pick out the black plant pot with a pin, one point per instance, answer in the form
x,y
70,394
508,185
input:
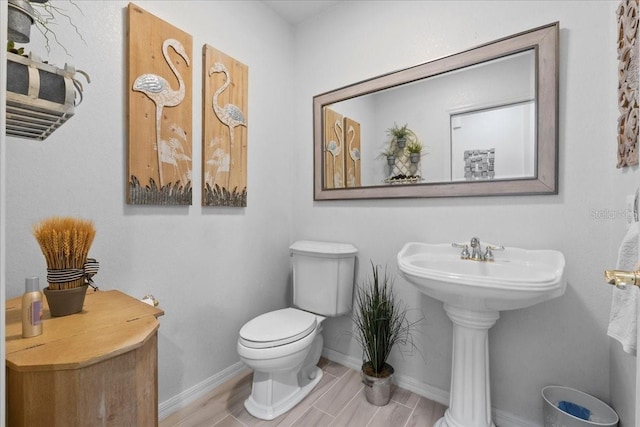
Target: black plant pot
x,y
65,301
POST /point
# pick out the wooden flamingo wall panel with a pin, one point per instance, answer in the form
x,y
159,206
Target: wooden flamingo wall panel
x,y
224,130
352,162
160,100
333,149
628,91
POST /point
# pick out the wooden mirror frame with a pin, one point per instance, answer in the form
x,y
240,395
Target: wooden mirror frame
x,y
545,43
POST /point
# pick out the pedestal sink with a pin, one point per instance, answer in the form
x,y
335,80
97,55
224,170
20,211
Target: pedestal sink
x,y
474,293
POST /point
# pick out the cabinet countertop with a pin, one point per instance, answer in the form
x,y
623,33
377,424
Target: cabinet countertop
x,y
111,323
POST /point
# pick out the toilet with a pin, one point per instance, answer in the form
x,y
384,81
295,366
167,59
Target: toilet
x,y
283,347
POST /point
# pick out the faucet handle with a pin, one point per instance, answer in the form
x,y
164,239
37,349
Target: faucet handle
x,y
488,253
465,250
494,247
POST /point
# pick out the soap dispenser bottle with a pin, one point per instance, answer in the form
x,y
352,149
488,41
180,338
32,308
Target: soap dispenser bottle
x,y
31,308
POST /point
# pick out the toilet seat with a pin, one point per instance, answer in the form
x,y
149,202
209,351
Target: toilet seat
x,y
277,328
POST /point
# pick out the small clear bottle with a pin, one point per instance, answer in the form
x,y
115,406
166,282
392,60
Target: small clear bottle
x,y
31,308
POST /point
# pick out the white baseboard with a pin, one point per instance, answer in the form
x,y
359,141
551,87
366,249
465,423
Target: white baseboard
x,y
501,418
403,381
183,399
505,419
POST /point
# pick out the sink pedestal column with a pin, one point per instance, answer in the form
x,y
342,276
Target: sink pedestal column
x,y
470,396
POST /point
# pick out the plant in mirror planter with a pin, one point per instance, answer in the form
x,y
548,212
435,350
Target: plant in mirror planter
x,y
414,150
390,154
65,243
381,323
401,135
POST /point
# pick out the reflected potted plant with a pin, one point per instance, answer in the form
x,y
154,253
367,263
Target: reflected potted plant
x,y
381,323
390,155
400,135
414,150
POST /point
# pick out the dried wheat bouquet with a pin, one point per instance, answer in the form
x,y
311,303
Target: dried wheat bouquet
x,y
65,244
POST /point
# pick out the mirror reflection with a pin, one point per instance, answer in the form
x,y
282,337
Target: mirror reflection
x,y
473,121
490,106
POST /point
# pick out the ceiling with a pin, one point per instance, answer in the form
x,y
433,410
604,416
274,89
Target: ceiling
x,y
296,11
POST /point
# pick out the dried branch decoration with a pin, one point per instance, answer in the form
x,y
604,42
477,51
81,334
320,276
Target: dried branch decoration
x,y
46,15
65,244
628,47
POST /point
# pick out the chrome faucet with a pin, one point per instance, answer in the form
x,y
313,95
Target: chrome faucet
x,y
476,249
476,253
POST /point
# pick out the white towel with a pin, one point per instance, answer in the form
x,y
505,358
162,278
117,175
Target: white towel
x,y
623,317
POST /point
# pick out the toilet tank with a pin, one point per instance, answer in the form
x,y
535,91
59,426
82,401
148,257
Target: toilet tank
x,y
323,276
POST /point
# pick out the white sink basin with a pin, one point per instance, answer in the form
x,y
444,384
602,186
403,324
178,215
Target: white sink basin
x,y
474,293
517,278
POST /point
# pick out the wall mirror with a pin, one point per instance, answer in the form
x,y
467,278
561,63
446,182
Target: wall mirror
x,y
486,119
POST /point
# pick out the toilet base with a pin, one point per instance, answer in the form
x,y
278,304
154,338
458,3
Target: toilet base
x,y
284,404
282,381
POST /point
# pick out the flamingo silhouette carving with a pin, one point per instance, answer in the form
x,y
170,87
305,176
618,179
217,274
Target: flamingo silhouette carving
x,y
354,153
159,90
230,114
334,147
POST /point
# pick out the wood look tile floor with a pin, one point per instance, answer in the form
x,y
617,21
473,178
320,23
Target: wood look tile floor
x,y
338,400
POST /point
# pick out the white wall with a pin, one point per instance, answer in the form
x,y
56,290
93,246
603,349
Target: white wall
x,y
510,130
426,107
559,342
211,268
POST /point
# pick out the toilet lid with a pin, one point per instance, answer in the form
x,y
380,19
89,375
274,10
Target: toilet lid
x,y
277,328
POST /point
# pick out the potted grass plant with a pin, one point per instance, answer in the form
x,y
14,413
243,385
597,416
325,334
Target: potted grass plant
x,y
381,323
65,243
390,154
414,150
400,135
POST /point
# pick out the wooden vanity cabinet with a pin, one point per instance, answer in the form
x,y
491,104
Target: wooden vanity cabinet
x,y
97,367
